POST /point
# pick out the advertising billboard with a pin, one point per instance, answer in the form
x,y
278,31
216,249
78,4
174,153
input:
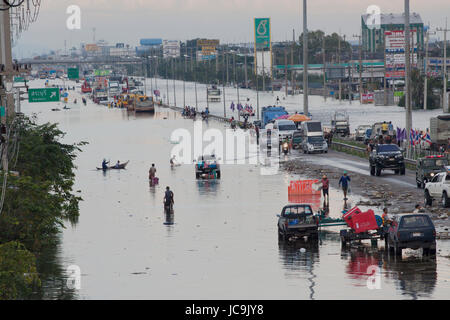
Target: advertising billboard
x,y
91,48
262,33
171,48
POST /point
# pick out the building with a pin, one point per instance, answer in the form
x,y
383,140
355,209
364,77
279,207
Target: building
x,y
373,35
147,45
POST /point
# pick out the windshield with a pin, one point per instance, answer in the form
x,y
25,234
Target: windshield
x,y
315,139
314,126
415,222
435,163
297,210
388,148
287,127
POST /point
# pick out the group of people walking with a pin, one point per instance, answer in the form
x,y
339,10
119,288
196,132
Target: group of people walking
x,y
344,184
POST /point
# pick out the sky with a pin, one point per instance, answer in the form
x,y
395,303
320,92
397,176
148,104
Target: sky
x,y
231,21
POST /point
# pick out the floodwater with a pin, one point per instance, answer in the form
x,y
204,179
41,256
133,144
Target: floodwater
x,y
221,242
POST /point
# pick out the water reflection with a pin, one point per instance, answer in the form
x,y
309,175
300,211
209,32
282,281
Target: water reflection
x,y
415,277
299,257
208,187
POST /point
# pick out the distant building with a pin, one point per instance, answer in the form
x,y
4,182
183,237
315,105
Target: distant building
x,y
147,45
373,35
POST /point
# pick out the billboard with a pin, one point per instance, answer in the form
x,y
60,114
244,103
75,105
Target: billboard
x,y
262,33
91,48
171,48
395,53
208,43
335,72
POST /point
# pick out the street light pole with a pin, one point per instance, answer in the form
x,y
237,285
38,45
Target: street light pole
x,y
444,68
305,60
408,69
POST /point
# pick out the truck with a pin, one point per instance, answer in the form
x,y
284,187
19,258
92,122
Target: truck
x,y
340,123
269,114
440,131
297,221
439,189
313,139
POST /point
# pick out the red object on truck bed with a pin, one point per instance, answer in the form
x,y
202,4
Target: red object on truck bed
x,y
361,221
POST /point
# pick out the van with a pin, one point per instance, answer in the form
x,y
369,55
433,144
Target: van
x,y
286,128
313,140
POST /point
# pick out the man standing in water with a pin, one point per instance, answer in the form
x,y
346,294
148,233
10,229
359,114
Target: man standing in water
x,y
168,201
152,173
344,182
325,187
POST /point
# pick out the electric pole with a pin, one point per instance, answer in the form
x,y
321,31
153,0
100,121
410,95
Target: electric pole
x,y
360,68
408,69
325,93
425,90
305,60
444,68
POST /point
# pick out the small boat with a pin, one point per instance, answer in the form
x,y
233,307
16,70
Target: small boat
x,y
122,166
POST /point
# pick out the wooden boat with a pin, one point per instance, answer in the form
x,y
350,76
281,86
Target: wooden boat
x,y
122,166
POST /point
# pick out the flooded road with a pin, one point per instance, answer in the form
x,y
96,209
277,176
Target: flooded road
x,y
223,242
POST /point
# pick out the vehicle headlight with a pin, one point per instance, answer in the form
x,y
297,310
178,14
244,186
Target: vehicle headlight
x,y
432,174
285,145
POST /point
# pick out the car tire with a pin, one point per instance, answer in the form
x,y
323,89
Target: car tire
x,y
197,175
428,200
397,250
372,170
445,200
403,171
397,172
219,175
378,171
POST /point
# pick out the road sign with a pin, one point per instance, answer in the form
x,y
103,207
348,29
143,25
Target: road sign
x,y
2,111
262,33
73,73
43,95
19,79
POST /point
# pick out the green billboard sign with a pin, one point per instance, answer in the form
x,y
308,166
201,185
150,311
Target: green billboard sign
x,y
19,79
43,95
101,73
73,73
262,33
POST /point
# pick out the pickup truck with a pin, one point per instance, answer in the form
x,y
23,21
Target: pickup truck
x,y
439,189
297,221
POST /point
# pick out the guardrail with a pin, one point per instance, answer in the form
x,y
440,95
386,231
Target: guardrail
x,y
363,150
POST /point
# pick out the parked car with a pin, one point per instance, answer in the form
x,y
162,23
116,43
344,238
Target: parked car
x,y
427,168
439,189
387,156
297,220
411,231
361,132
207,167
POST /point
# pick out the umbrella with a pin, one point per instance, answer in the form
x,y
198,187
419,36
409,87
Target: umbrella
x,y
283,117
299,118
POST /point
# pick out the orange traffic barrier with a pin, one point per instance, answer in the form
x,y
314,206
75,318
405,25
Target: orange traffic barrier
x,y
303,187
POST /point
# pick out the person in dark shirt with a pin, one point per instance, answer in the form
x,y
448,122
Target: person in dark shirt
x,y
168,200
344,183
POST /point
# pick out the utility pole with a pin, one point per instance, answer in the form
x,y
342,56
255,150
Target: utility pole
x,y
360,68
384,78
325,94
425,90
339,62
285,73
236,79
6,60
445,105
246,75
408,69
174,76
292,63
263,70
305,60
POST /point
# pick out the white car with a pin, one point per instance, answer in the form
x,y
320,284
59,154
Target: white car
x,y
439,189
286,128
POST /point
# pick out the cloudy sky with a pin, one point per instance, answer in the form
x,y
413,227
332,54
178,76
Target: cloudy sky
x,y
228,20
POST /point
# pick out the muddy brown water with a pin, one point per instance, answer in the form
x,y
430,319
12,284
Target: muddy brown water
x,y
222,242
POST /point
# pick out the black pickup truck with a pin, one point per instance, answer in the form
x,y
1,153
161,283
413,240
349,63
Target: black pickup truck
x,y
387,157
297,221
